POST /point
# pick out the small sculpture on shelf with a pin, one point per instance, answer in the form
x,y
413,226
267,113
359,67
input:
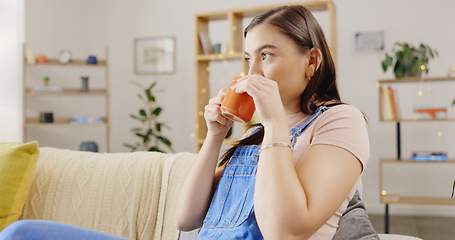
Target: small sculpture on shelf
x,y
84,81
41,58
64,57
46,80
89,146
91,59
46,117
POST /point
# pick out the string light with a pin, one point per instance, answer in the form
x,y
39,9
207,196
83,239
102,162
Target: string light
x,y
422,67
203,90
378,85
383,193
201,113
439,133
420,93
242,74
234,28
207,69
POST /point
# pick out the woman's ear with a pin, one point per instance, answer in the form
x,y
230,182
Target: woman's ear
x,y
314,61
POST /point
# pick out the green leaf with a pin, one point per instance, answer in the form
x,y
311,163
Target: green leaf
x,y
137,129
128,146
165,141
157,111
387,62
399,69
149,95
154,149
453,189
150,132
158,126
453,103
145,138
142,112
137,118
152,86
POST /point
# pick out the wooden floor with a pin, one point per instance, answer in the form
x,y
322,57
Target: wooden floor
x,y
425,227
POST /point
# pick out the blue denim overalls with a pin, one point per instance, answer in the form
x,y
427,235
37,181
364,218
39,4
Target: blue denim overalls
x,y
231,212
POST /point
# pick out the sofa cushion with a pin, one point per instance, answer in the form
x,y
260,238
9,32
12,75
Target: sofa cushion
x,y
17,166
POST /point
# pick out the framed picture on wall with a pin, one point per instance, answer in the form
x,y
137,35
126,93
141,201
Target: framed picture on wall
x,y
154,55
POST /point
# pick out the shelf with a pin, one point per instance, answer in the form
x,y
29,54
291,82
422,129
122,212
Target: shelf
x,y
220,57
392,198
68,92
73,63
100,94
313,6
417,79
420,120
34,122
448,161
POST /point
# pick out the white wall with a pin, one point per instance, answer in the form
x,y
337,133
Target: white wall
x,y
117,23
11,38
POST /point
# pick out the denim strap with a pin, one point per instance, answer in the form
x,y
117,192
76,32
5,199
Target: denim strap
x,y
297,131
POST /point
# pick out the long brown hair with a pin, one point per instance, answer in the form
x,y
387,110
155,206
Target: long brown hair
x,y
298,24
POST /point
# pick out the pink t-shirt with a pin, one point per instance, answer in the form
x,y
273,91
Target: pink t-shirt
x,y
343,126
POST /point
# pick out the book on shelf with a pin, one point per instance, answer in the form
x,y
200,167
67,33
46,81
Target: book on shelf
x,y
206,44
429,156
389,104
381,103
86,119
437,111
46,89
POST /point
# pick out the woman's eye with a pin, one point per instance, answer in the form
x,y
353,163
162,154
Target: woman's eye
x,y
248,60
265,56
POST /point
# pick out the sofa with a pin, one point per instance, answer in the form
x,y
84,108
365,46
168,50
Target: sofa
x,y
129,194
125,194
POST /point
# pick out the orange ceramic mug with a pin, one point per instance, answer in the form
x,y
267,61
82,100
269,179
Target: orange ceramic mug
x,y
237,106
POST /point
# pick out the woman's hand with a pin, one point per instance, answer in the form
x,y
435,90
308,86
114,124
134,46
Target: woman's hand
x,y
266,98
217,124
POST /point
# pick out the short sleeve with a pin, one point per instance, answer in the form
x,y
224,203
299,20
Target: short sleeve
x,y
344,126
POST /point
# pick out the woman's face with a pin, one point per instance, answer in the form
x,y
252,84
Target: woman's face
x,y
275,56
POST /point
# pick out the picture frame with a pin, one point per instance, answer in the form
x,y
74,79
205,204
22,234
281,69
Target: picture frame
x,y
154,55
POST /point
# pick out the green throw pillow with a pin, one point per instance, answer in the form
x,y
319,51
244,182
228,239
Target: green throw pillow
x,y
17,166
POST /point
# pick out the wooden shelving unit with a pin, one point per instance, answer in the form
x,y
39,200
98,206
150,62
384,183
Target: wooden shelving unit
x,y
28,93
392,198
234,17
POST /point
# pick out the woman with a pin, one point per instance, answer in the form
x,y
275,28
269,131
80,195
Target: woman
x,y
294,174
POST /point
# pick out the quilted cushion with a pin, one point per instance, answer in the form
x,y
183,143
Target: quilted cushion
x,y
17,166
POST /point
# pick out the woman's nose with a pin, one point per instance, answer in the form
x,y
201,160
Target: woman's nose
x,y
255,68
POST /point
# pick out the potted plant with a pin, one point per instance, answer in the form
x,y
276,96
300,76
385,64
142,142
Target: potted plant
x,y
408,60
151,137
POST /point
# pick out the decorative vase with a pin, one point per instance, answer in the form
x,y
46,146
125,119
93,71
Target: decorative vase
x,y
88,146
84,80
